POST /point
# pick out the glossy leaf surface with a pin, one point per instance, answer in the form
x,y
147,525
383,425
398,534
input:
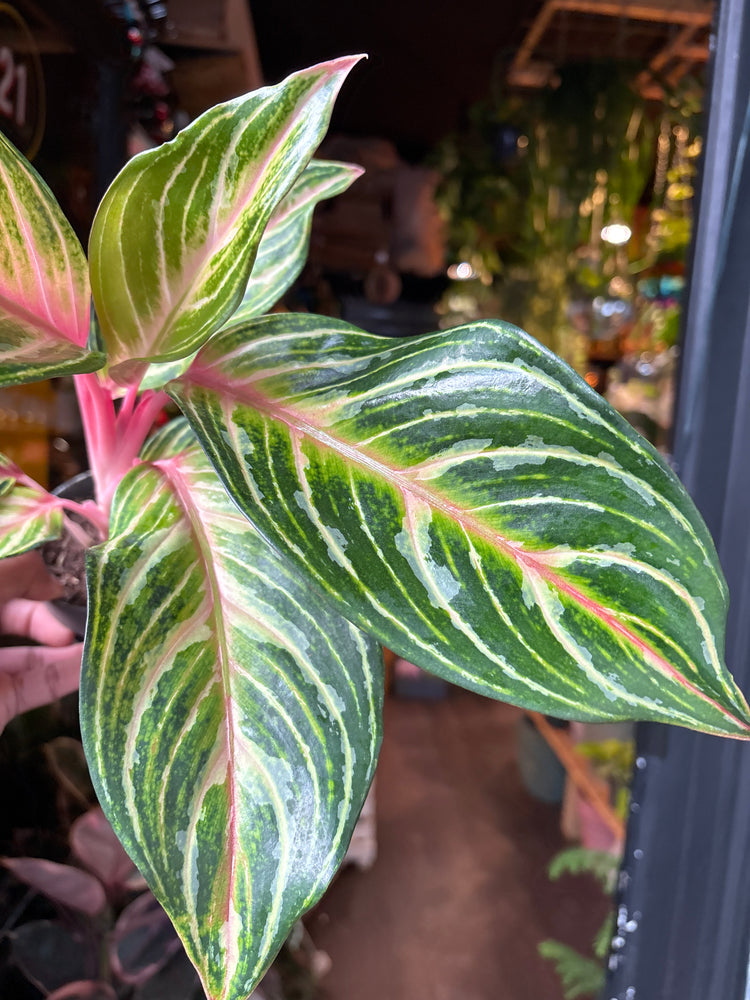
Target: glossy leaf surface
x,y
44,286
281,254
29,515
468,499
176,234
231,721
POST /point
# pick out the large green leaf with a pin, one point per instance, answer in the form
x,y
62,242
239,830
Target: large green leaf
x,y
29,515
176,234
230,719
44,286
281,254
467,498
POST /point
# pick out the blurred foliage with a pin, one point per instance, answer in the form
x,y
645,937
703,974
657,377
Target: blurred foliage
x,y
602,865
579,976
531,180
612,760
583,975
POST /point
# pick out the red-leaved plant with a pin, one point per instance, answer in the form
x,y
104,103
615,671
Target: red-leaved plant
x,y
110,929
462,497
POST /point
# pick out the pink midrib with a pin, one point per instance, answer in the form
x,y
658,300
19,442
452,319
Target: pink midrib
x,y
176,473
33,262
20,311
209,378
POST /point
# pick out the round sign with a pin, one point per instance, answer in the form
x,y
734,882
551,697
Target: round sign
x,y
22,96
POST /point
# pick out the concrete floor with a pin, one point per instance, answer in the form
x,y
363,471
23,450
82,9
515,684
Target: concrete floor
x,y
459,897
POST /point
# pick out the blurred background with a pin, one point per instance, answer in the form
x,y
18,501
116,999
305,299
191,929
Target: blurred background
x,y
532,162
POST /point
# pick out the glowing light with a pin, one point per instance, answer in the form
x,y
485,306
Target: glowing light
x,y
462,271
617,234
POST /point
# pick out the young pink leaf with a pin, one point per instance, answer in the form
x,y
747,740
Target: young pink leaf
x,y
44,285
62,884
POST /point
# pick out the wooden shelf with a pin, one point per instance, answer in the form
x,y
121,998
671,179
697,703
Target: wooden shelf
x,y
677,52
580,773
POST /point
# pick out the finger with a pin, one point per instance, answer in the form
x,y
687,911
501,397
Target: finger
x,y
31,676
34,620
27,576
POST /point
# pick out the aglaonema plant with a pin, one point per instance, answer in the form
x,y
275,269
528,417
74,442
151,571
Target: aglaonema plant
x,y
462,497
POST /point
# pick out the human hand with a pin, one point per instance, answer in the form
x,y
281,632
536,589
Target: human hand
x,y
31,676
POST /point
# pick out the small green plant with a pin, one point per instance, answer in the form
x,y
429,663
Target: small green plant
x,y
579,974
612,760
462,497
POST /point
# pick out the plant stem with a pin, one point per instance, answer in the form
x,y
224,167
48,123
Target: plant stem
x,y
90,511
135,427
74,529
98,417
126,407
114,440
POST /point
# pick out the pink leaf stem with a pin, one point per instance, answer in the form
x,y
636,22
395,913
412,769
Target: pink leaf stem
x,y
17,473
133,428
129,431
128,403
98,417
91,512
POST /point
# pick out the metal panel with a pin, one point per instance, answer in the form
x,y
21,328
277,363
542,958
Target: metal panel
x,y
684,900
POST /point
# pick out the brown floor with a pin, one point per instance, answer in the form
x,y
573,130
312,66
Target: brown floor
x,y
459,897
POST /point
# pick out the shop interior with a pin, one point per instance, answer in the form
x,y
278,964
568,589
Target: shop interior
x,y
536,164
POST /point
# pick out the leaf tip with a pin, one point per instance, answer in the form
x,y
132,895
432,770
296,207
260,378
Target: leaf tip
x,y
355,171
343,65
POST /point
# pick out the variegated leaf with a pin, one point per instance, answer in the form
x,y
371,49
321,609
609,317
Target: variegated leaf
x,y
284,247
230,719
29,515
158,374
281,254
176,234
44,286
468,499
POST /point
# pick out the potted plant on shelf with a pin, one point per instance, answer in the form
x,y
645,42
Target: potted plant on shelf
x,y
462,497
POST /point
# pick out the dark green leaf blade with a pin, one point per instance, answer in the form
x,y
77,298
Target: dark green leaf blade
x,y
230,719
467,498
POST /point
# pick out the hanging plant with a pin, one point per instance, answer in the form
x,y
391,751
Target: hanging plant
x,y
535,181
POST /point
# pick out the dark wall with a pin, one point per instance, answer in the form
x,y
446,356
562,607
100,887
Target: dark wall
x,y
684,916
